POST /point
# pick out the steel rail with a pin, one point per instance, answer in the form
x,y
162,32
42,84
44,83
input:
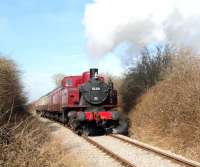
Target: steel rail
x,y
119,159
175,158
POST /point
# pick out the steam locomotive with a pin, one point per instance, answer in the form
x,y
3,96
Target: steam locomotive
x,y
86,103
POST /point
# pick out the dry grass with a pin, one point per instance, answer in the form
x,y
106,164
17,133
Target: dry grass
x,y
29,144
168,115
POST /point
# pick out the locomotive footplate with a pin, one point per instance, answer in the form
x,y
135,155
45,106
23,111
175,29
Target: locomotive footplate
x,y
96,116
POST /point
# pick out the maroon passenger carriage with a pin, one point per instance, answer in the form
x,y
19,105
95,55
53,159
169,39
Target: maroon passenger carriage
x,y
86,103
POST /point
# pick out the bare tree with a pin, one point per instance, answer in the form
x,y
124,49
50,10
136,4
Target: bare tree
x,y
145,73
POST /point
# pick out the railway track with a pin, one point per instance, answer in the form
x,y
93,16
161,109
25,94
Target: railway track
x,y
137,154
110,153
173,157
121,142
123,161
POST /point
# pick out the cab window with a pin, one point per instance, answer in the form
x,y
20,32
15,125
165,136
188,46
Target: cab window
x,y
68,82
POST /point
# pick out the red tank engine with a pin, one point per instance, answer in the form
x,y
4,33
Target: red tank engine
x,y
86,103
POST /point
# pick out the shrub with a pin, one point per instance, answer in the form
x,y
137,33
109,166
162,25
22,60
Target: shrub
x,y
24,140
12,98
168,115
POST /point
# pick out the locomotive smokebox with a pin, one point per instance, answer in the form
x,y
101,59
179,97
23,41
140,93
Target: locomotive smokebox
x,y
93,72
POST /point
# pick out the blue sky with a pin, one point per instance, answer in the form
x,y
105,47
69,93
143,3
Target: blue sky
x,y
44,37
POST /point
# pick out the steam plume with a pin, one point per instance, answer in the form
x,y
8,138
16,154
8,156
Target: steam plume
x,y
109,23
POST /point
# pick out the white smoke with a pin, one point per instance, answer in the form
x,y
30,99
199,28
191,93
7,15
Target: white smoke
x,y
109,23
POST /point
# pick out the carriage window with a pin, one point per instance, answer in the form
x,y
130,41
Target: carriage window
x,y
68,83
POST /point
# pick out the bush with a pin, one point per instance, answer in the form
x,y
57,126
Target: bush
x,y
24,140
12,98
146,73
